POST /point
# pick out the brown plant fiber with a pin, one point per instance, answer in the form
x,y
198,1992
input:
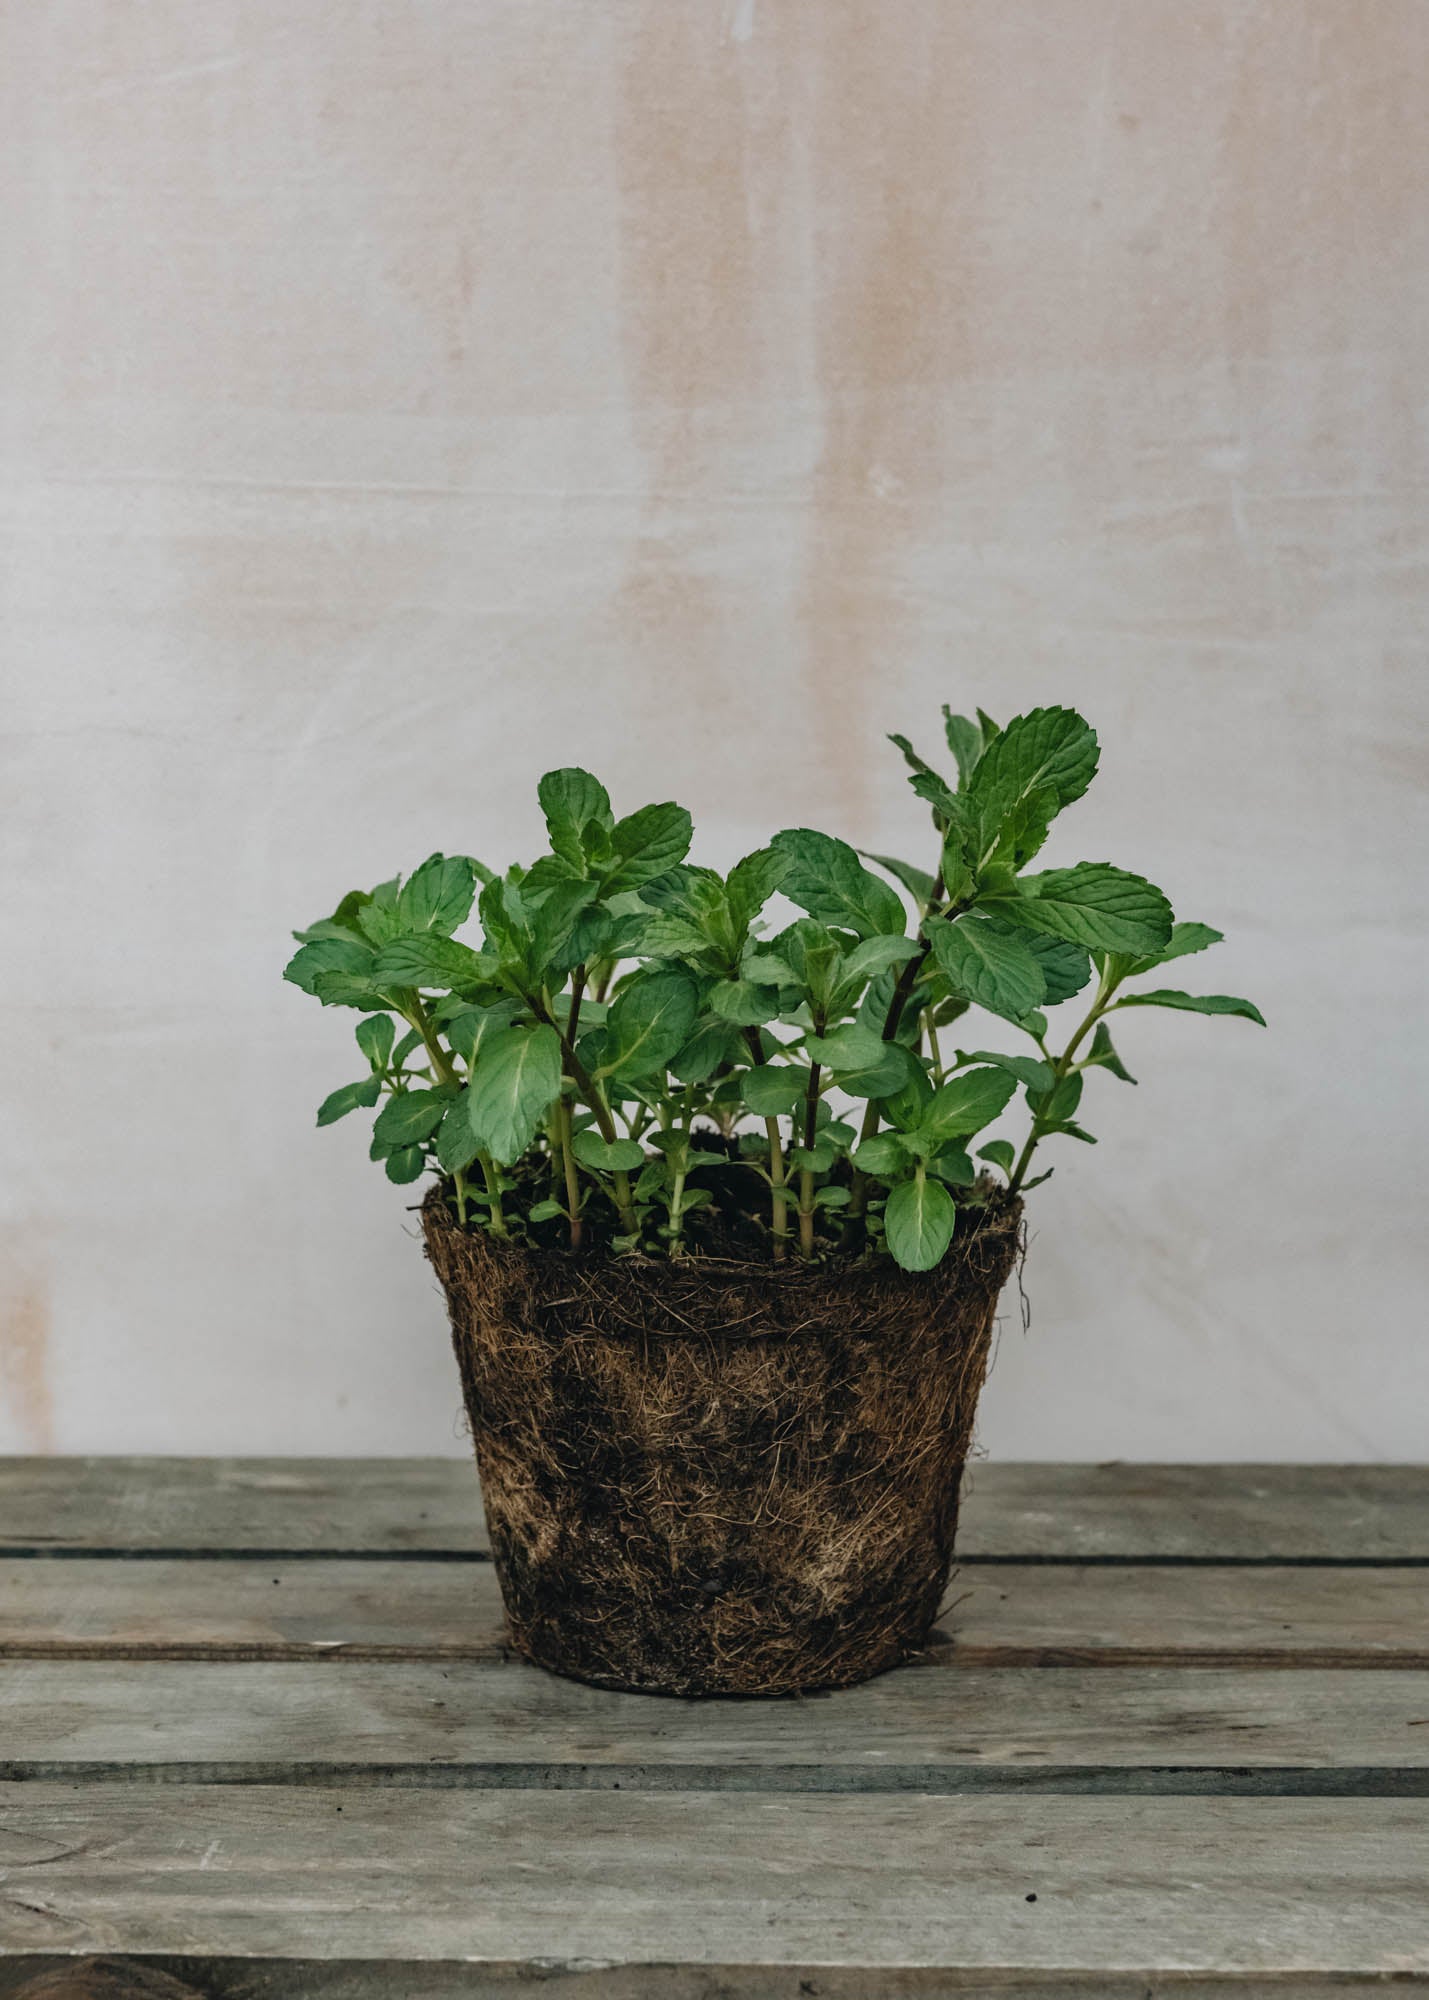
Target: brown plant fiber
x,y
708,1477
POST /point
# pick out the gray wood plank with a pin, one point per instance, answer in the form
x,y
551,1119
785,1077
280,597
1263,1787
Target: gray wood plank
x,y
395,1506
998,1614
734,1885
513,1723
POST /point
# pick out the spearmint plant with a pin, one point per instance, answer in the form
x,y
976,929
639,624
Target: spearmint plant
x,y
631,1053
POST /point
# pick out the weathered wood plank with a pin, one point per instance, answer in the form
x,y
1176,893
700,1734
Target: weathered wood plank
x,y
1358,1513
738,1884
513,1723
998,1615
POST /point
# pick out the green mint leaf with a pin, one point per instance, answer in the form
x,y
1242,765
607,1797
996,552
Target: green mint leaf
x,y
648,1023
618,1155
349,956
468,1030
965,742
848,1047
1094,905
1103,1055
431,963
1194,1003
774,1089
743,1003
411,1115
881,1156
513,1086
1055,1106
826,878
995,970
1027,1069
375,1037
351,1097
405,1164
917,881
1001,1152
963,1106
918,1223
715,1043
576,806
751,883
439,896
646,844
954,1166
1185,939
456,1142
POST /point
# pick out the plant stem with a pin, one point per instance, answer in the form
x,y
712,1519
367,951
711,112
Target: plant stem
x,y
806,1174
1060,1067
592,1096
779,1200
493,1189
417,1017
573,1186
460,1179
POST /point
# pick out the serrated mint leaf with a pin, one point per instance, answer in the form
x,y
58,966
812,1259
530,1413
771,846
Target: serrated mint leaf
x,y
432,963
377,917
468,1030
963,1106
881,1156
351,1097
1194,1003
917,881
1000,1152
715,1043
918,1222
516,1080
849,1047
615,1156
1094,905
346,955
1056,1105
965,742
411,1115
752,882
456,1142
953,1166
743,1003
1185,939
1027,1069
646,844
574,804
1048,750
439,896
405,1164
993,969
774,1089
648,1023
1102,1054
826,878
375,1037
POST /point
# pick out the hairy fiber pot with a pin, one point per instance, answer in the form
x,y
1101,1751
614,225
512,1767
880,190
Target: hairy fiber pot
x,y
714,1477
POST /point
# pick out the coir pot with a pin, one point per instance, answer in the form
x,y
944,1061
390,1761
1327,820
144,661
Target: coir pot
x,y
716,1478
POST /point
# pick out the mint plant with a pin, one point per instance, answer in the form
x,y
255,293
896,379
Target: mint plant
x,y
630,1057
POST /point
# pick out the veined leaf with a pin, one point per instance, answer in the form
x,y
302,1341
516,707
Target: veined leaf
x,y
1001,1152
881,1156
917,881
439,896
884,1077
848,1047
608,1156
469,1031
648,1023
573,802
646,844
774,1089
405,1164
1193,1003
715,1043
513,1086
826,878
351,1097
744,1003
918,1222
1103,1055
378,918
346,955
1185,939
375,1037
1094,905
961,1107
410,1116
965,742
432,963
1027,1069
1040,763
456,1142
752,882
992,968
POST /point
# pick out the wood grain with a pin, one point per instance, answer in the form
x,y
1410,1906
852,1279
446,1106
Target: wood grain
x,y
1243,1513
734,1884
514,1724
998,1615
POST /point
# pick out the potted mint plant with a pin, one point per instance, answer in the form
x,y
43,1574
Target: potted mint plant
x,y
715,1196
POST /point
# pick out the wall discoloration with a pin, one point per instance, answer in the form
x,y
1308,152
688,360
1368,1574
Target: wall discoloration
x,y
26,1397
695,391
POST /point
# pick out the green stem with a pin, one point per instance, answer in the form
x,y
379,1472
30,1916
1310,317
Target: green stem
x,y
417,1017
493,1189
779,1200
593,1097
573,1186
460,1179
806,1174
1061,1065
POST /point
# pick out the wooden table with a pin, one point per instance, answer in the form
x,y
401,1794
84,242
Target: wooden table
x,y
257,1729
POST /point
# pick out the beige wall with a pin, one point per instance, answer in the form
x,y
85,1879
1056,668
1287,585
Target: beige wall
x,y
404,396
